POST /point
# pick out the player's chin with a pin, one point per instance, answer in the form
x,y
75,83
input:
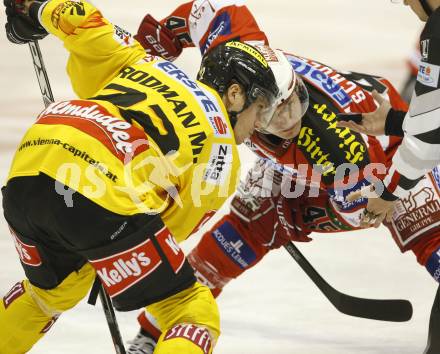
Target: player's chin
x,y
291,132
240,137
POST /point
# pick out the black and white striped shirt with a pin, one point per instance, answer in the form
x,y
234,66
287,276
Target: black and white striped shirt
x,y
420,148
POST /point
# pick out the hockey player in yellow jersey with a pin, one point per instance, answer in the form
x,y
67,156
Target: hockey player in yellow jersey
x,y
109,183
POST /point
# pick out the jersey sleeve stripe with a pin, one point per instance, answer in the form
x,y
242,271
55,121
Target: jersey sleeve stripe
x,y
425,103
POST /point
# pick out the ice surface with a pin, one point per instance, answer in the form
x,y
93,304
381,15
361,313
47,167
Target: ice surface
x,y
274,308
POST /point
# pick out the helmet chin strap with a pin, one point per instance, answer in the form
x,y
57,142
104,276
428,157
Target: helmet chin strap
x,y
426,7
233,118
233,114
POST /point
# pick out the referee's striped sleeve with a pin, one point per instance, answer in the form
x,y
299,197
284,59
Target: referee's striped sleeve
x,y
420,149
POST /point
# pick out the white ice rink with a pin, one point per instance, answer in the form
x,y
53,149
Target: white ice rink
x,y
274,308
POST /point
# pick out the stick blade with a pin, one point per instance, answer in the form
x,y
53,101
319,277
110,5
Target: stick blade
x,y
381,310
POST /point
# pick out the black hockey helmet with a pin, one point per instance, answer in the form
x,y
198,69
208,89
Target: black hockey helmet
x,y
241,63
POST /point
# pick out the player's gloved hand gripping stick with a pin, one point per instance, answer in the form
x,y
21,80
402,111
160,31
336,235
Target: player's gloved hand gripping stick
x,y
22,26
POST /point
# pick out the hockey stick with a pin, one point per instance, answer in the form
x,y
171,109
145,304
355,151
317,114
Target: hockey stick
x,y
40,70
382,310
46,92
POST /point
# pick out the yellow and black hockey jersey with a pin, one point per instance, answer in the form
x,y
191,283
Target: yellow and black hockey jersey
x,y
142,137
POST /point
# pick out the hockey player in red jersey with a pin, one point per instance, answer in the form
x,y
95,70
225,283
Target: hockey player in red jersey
x,y
299,185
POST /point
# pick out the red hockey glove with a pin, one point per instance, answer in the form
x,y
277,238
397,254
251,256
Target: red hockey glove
x,y
272,221
157,39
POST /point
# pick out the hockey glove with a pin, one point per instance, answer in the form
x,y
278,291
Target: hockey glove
x,y
271,221
157,39
20,27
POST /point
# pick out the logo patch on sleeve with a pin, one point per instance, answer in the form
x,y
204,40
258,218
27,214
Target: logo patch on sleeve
x,y
220,27
122,36
230,241
428,74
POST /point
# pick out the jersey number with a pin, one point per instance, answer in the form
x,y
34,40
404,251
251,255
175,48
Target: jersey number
x,y
127,97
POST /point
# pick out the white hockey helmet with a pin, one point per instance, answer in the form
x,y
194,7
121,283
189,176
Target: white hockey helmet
x,y
292,91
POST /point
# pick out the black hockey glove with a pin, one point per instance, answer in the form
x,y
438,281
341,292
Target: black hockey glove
x,y
20,27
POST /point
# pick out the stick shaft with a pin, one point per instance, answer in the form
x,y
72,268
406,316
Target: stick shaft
x,y
382,310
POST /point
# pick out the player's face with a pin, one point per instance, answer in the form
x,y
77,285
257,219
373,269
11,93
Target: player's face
x,y
248,120
286,120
